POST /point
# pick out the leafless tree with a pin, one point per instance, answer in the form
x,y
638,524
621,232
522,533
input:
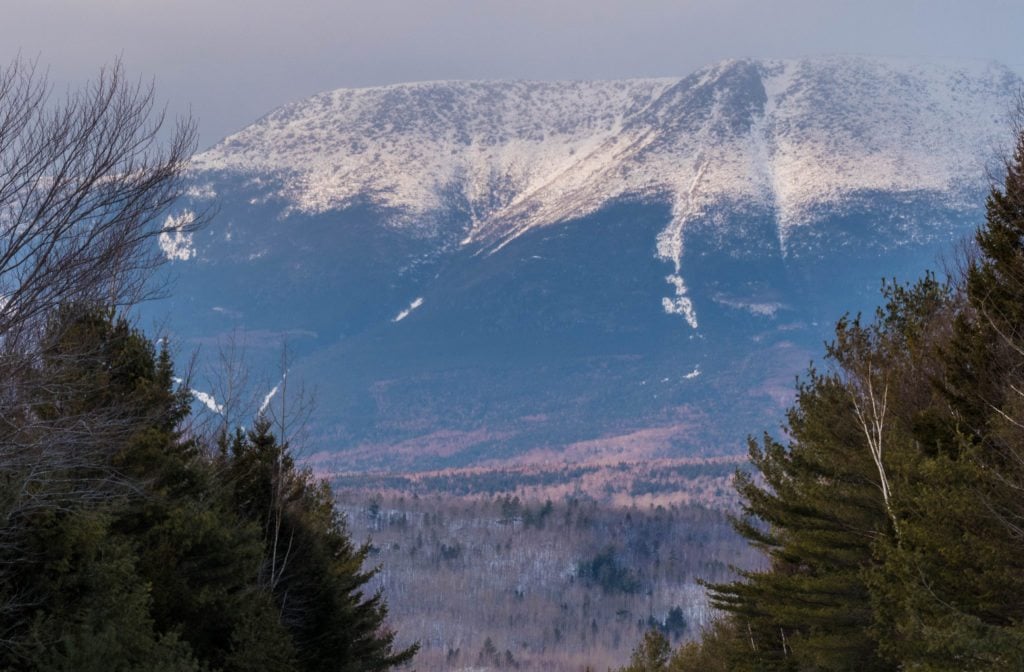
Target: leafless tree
x,y
288,409
85,179
870,406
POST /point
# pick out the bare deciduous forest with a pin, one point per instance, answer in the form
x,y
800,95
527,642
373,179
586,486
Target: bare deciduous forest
x,y
498,582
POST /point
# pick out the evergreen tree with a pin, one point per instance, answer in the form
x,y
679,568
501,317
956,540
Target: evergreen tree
x,y
651,655
723,647
892,519
950,594
825,502
93,607
76,596
177,560
310,565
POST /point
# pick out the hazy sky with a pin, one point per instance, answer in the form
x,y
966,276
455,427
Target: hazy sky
x,y
231,61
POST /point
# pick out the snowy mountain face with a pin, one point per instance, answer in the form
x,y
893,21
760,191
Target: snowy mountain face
x,y
791,135
672,221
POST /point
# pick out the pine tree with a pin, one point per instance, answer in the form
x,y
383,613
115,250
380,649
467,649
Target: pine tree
x,y
893,519
93,611
950,594
829,499
310,564
815,517
721,648
651,655
176,560
78,599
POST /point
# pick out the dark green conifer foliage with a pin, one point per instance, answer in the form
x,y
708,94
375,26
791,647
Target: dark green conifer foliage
x,y
80,601
985,354
821,509
651,655
824,502
721,648
950,594
94,611
176,560
310,565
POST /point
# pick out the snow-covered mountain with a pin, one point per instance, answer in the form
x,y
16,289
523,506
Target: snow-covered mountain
x,y
792,135
417,217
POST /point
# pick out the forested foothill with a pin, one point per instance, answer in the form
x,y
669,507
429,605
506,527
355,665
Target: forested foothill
x,y
128,540
892,514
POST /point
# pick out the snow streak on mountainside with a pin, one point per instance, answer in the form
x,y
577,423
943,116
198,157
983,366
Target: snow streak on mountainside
x,y
786,137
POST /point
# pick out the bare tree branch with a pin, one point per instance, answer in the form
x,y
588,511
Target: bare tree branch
x,y
84,182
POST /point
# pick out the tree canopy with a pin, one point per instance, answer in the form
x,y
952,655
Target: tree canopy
x,y
127,542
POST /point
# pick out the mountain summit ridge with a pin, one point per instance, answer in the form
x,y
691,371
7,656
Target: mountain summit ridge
x,y
740,128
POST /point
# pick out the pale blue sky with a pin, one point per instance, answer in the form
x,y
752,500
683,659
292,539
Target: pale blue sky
x,y
231,61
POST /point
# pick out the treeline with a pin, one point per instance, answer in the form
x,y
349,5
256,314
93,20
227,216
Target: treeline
x,y
893,515
632,478
661,482
128,542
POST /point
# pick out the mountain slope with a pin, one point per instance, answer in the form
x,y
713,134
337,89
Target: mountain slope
x,y
471,270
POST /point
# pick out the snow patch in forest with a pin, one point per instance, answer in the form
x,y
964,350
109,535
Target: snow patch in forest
x,y
204,398
759,308
405,313
270,396
680,304
176,239
208,400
